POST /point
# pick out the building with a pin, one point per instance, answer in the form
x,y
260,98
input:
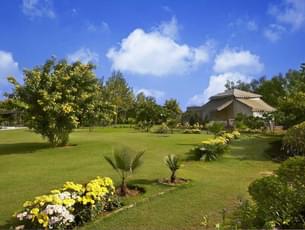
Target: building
x,y
226,105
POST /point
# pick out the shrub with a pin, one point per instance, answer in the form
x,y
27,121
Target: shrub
x,y
163,128
280,198
173,163
228,136
192,131
124,163
69,206
294,140
236,134
215,127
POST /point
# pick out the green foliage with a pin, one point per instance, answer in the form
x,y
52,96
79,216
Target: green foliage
x,y
243,121
124,162
163,128
120,95
192,131
148,112
172,110
211,149
279,199
215,127
57,97
191,117
294,140
173,163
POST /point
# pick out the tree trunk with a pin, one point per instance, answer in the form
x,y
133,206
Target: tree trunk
x,y
123,188
173,177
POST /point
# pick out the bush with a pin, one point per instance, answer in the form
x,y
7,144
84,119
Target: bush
x,y
192,131
70,206
280,198
163,128
236,134
294,140
215,127
228,136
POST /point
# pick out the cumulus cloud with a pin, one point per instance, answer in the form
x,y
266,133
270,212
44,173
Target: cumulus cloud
x,y
242,61
38,8
230,65
217,85
151,93
289,12
8,67
83,55
274,32
157,53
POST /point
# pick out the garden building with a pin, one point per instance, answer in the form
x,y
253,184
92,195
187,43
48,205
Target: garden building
x,y
226,105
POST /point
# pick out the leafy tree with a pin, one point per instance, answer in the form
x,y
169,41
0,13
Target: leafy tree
x,y
56,97
124,163
120,96
172,113
173,163
148,112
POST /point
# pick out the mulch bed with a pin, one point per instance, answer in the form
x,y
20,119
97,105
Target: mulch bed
x,y
178,181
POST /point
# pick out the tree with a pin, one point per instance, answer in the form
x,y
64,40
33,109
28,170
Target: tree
x,y
56,97
173,163
124,163
148,112
120,95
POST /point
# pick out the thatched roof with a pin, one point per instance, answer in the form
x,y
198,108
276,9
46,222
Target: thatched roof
x,y
257,105
237,93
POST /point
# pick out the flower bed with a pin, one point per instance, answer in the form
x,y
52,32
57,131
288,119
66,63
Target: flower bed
x,y
212,148
68,207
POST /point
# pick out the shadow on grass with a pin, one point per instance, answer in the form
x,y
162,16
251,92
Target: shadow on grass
x,y
143,181
22,148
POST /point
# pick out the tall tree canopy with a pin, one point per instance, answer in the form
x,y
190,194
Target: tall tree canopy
x,y
120,95
57,97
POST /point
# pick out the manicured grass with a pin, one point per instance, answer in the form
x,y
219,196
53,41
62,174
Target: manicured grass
x,y
29,167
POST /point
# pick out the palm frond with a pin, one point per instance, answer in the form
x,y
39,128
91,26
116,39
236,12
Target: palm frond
x,y
109,160
172,162
136,161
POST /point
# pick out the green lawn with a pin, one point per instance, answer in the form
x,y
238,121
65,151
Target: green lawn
x,y
28,167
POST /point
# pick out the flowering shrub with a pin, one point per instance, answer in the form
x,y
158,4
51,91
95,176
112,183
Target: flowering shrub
x,y
228,136
69,206
192,131
212,148
236,134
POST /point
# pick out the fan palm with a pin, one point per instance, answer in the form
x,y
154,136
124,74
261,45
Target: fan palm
x,y
124,163
173,163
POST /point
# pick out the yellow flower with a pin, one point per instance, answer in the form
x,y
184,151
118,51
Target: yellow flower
x,y
27,204
35,211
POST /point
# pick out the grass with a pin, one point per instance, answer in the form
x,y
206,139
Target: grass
x,y
29,167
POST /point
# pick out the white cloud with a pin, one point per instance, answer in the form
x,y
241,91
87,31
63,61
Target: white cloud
x,y
289,12
217,85
8,67
274,32
38,8
237,61
103,27
169,28
151,93
156,53
83,55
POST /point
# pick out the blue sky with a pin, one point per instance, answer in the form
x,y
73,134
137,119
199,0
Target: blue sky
x,y
168,49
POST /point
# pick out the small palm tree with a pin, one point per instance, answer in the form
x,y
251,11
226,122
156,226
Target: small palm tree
x,y
124,163
173,163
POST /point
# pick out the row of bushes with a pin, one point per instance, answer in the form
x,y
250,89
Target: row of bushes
x,y
68,207
213,148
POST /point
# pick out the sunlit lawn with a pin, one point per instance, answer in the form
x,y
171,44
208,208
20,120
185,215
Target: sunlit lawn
x,y
28,167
